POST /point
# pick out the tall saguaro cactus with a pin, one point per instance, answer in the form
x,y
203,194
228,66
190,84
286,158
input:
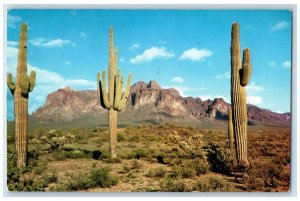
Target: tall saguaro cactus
x,y
240,76
115,100
230,130
20,90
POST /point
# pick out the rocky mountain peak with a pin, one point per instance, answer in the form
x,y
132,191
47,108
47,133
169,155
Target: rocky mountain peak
x,y
153,85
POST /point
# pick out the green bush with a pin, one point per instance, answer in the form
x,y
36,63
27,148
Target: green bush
x,y
200,166
101,177
212,184
55,141
220,160
136,164
136,154
113,160
183,171
157,172
170,185
81,181
120,137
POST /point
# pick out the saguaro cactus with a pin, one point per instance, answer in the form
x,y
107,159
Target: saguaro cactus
x,y
114,100
240,76
20,90
230,130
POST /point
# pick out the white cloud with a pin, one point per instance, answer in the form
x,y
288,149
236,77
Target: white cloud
x,y
58,43
254,100
122,60
47,81
252,88
12,43
206,97
212,97
41,42
150,54
83,35
37,42
252,97
272,63
67,62
134,46
177,79
286,64
195,54
280,26
224,76
13,20
185,91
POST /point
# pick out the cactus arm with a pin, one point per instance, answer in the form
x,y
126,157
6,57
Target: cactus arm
x,y
98,86
246,68
32,80
104,91
10,83
125,94
24,84
118,90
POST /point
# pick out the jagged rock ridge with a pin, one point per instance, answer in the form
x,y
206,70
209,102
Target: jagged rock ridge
x,y
67,104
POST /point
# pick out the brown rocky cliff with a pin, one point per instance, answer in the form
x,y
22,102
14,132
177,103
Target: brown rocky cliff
x,y
67,104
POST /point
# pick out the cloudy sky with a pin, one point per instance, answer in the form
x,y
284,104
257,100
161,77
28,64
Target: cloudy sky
x,y
187,50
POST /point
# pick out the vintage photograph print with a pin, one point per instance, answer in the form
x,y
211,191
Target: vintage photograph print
x,y
108,100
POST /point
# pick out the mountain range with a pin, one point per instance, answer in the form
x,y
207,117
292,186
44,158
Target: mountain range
x,y
148,102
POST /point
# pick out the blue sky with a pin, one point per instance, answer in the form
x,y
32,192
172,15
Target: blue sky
x,y
185,49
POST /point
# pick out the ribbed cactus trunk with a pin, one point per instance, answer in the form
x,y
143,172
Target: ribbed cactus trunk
x,y
112,118
113,100
20,90
240,76
230,131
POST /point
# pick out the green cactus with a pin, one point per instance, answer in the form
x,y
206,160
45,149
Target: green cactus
x,y
240,75
230,131
113,100
20,90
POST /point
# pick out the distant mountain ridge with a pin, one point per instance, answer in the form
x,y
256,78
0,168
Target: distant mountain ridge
x,y
147,101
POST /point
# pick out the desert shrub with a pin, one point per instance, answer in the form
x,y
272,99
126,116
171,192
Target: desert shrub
x,y
157,172
212,184
39,132
56,142
101,177
265,174
191,146
104,155
134,138
199,165
16,181
171,185
113,160
137,154
50,178
220,159
160,157
136,164
183,171
40,167
120,137
75,154
81,181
